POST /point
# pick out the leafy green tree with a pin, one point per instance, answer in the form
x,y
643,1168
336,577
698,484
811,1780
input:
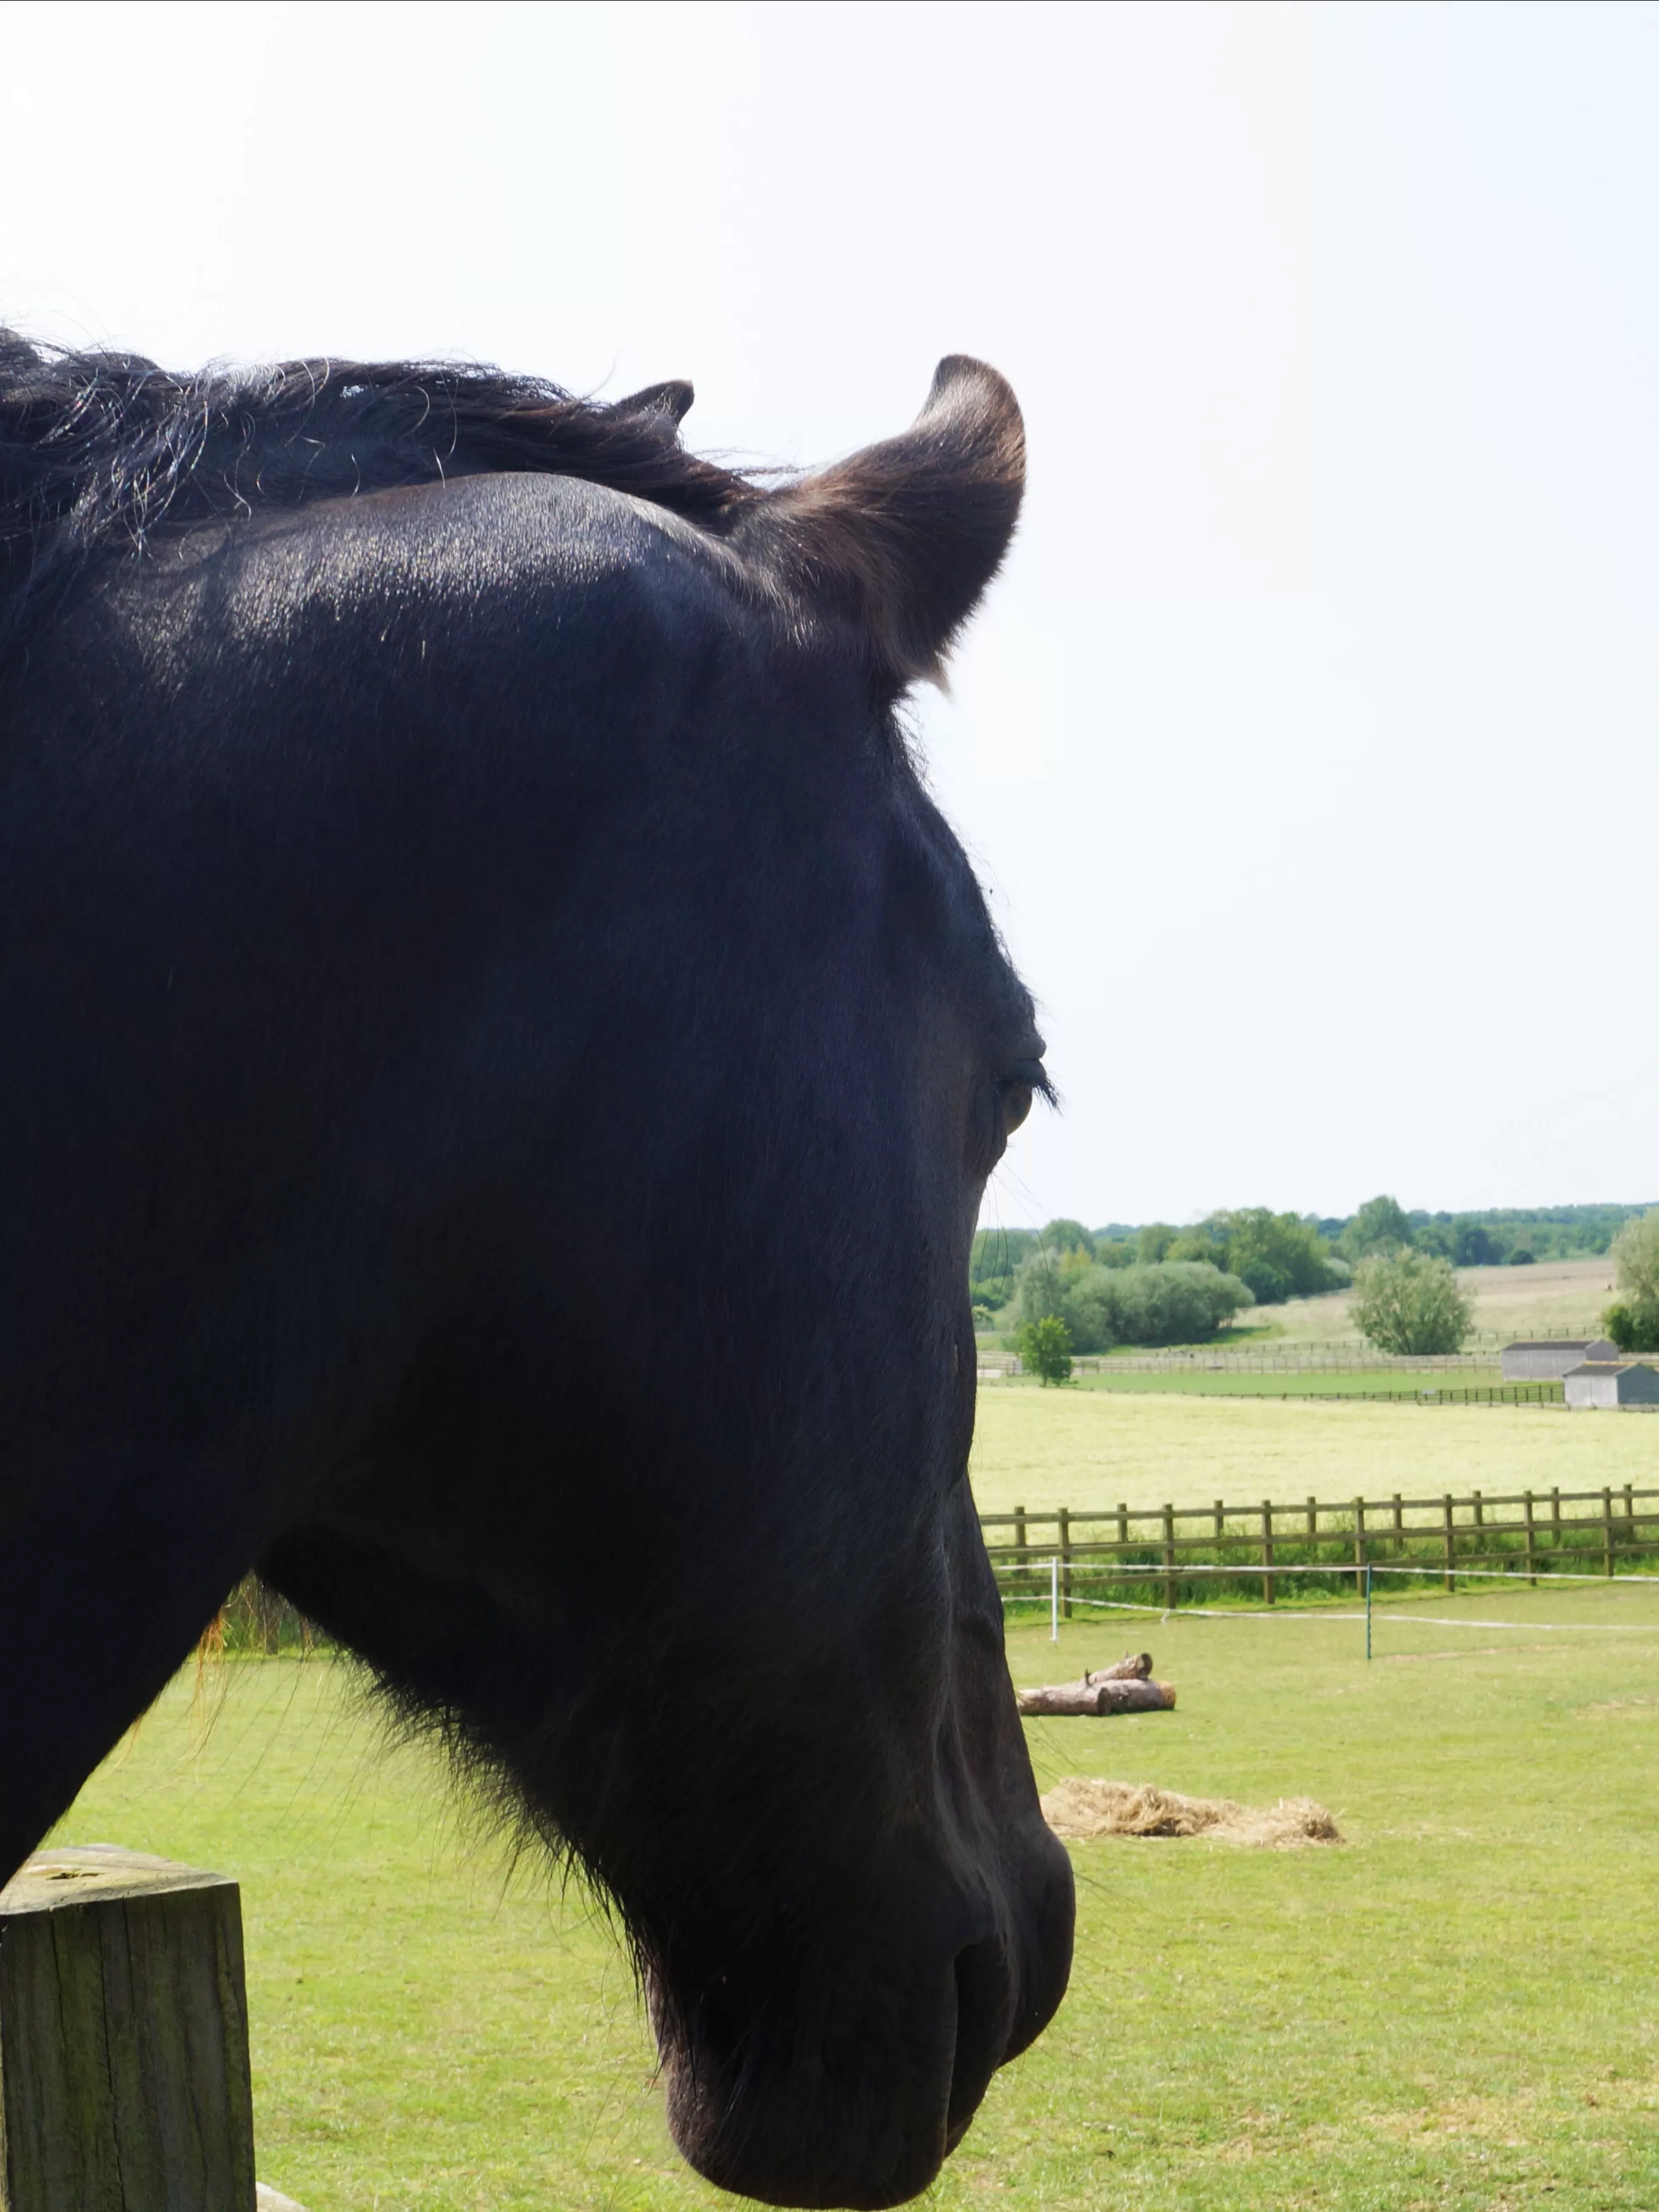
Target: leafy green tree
x,y
1474,1245
1279,1255
1172,1303
1062,1236
1153,1243
1633,1322
1381,1224
1409,1302
1198,1248
1632,1329
1046,1348
1182,1302
1636,1258
993,1259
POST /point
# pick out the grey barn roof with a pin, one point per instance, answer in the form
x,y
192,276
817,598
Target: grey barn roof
x,y
1610,1382
1547,1359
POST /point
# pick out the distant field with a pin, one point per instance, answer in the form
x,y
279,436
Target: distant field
x,y
1553,1298
1554,1295
1202,1382
1042,1448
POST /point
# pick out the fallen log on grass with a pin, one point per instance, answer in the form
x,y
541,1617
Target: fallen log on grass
x,y
1128,1687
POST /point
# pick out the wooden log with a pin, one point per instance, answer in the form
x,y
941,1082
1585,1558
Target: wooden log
x,y
1098,1699
1136,1666
124,2066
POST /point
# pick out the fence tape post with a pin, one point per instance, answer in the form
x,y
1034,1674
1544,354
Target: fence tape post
x,y
1054,1601
1368,1613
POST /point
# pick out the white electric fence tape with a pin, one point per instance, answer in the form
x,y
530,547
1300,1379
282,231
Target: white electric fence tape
x,y
1434,1572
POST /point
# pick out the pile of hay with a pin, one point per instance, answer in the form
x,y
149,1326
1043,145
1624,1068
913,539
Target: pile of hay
x,y
1081,1809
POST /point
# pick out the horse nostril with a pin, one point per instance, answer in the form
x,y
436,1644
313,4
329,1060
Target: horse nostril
x,y
982,2023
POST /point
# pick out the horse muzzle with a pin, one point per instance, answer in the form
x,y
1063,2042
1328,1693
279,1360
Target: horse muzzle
x,y
848,2085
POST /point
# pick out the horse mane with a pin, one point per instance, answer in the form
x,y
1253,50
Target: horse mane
x,y
101,452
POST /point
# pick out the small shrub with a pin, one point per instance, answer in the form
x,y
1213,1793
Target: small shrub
x,y
1045,1346
1520,1257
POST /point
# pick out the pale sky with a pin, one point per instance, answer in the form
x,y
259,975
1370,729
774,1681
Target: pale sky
x,y
1307,746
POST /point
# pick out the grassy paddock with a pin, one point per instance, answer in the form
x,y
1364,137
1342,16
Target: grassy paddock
x,y
1089,1448
1448,1389
1458,2009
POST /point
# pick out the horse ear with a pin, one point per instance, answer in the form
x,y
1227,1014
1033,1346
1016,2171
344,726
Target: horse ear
x,y
673,399
906,535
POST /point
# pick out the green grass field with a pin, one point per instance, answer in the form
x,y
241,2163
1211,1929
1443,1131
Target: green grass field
x,y
1087,1449
1459,2009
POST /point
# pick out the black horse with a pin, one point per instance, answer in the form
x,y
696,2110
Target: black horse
x,y
501,1058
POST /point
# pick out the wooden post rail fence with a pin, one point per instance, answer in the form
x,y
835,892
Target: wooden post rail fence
x,y
1529,1532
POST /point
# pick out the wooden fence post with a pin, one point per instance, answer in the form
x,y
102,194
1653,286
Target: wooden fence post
x,y
1451,1579
124,2068
1268,1549
1021,1558
1360,1544
1532,1556
1169,1559
1606,1532
1065,1561
1313,1518
1400,1519
1220,1521
1122,1527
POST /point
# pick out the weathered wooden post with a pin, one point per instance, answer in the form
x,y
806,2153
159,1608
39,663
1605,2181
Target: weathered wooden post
x,y
1360,1544
1065,1558
1169,1559
123,2065
1268,1549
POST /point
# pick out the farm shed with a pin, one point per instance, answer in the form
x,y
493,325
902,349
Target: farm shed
x,y
1608,1383
1547,1359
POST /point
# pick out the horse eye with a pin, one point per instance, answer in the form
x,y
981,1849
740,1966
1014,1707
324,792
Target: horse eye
x,y
1015,1092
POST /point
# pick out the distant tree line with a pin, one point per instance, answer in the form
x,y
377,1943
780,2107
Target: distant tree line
x,y
1087,1289
1274,1255
1269,1251
1504,1235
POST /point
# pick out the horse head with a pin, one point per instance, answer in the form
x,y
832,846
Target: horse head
x,y
607,1046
